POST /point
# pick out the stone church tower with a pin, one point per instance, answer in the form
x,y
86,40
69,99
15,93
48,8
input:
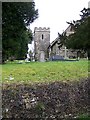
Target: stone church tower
x,y
41,43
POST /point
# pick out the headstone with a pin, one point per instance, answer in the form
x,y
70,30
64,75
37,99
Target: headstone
x,y
27,60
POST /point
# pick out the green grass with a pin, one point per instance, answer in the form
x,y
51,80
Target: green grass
x,y
84,117
44,72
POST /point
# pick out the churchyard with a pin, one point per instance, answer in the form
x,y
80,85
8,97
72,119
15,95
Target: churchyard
x,y
38,72
44,89
48,90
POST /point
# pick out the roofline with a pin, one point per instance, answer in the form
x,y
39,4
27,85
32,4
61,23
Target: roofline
x,y
53,42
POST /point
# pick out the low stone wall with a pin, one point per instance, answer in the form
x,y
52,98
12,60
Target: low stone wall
x,y
57,100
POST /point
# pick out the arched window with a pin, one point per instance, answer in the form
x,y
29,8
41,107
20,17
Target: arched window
x,y
42,36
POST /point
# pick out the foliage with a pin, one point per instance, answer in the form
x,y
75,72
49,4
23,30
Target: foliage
x,y
36,72
16,16
81,38
62,39
26,37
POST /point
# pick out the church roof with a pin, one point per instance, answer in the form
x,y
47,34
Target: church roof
x,y
68,32
54,42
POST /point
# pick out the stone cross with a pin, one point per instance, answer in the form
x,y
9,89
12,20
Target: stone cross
x,y
65,52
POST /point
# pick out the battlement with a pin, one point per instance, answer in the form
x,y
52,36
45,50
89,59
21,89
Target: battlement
x,y
41,29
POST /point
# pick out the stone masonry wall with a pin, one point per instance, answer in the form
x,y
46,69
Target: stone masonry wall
x,y
41,43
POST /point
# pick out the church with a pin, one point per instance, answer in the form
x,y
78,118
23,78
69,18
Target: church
x,y
43,49
62,51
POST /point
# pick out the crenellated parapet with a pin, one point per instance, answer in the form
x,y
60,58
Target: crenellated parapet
x,y
41,29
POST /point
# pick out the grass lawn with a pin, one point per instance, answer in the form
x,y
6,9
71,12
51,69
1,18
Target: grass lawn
x,y
44,72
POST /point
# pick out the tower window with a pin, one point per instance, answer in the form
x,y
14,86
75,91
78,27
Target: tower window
x,y
42,36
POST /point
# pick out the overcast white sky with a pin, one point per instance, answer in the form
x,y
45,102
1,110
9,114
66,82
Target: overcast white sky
x,y
55,13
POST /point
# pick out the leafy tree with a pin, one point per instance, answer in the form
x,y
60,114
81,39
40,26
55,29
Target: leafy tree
x,y
16,16
81,37
26,37
62,39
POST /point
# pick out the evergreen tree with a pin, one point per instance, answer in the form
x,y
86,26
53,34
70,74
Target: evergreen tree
x,y
81,37
16,16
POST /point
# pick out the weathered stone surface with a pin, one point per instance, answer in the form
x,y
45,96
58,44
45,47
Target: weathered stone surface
x,y
41,43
